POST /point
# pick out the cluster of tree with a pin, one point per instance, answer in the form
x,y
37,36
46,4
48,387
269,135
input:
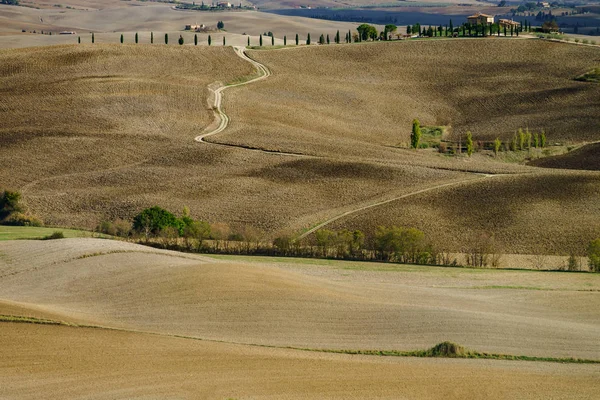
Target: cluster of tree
x,y
11,2
14,212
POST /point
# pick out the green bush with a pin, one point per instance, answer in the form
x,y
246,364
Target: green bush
x,y
54,235
154,220
593,253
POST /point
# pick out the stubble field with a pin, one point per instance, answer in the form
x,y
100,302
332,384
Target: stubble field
x,y
281,303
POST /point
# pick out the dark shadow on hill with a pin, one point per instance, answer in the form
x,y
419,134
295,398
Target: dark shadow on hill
x,y
584,158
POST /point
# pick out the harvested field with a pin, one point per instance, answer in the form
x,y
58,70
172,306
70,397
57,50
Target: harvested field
x,y
352,99
584,158
542,213
336,306
299,303
48,361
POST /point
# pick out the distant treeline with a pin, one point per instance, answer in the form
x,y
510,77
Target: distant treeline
x,y
160,228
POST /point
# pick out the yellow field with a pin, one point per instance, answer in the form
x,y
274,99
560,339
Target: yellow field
x,y
339,305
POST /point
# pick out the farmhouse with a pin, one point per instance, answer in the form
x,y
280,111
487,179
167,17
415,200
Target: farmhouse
x,y
480,18
193,27
224,4
508,23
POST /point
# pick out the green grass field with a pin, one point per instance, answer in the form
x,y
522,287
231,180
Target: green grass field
x,y
29,232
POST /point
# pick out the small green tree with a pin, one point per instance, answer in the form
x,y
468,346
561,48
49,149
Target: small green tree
x,y
528,138
209,40
513,143
180,41
220,25
389,29
415,136
328,42
297,39
166,38
543,139
521,139
136,38
497,145
469,143
322,39
196,39
536,140
337,37
593,252
121,38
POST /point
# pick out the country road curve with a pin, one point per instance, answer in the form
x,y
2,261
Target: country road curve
x,y
223,118
380,203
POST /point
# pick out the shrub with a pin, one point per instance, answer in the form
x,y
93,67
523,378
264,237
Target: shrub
x,y
19,219
54,235
469,143
593,252
154,220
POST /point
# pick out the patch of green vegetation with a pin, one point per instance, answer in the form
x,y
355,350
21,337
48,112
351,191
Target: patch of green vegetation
x,y
31,232
591,76
268,47
431,136
453,350
32,320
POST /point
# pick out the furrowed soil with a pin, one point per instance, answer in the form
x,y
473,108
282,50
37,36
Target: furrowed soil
x,y
329,305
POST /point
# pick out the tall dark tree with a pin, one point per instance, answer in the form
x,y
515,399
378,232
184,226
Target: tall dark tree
x,y
136,38
308,39
328,39
337,37
224,41
121,38
166,38
284,40
260,41
248,41
151,37
180,41
415,136
79,39
209,40
272,40
93,39
195,39
451,26
297,40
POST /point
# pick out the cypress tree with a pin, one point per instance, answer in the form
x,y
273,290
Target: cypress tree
x,y
248,40
504,30
93,39
272,40
166,38
284,40
196,39
180,41
451,27
349,36
260,41
543,139
209,40
321,39
497,144
121,38
223,40
136,38
151,37
469,143
337,37
328,39
79,39
308,39
511,30
296,39
415,136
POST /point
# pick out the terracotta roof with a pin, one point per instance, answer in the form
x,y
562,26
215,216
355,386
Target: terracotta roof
x,y
480,15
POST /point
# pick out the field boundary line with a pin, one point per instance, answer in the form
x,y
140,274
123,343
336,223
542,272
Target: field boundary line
x,y
224,119
380,203
18,319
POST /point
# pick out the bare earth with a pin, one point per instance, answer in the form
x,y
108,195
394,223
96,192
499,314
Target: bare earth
x,y
283,303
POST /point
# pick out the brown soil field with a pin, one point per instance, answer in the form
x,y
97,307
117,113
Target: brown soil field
x,y
554,212
113,133
347,99
314,305
58,362
584,158
151,295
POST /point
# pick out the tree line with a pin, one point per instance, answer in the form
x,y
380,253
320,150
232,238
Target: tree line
x,y
158,227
